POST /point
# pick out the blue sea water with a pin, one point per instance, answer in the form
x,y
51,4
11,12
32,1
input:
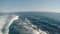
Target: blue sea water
x,y
36,23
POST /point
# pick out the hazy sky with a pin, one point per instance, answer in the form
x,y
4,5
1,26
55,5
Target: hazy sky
x,y
29,5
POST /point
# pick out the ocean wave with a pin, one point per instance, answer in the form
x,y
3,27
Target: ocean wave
x,y
24,26
30,23
5,22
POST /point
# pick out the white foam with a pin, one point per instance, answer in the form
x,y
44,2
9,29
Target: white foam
x,y
6,21
31,28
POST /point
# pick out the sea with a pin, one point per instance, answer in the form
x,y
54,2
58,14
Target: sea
x,y
30,23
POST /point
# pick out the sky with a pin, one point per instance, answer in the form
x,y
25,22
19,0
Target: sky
x,y
30,5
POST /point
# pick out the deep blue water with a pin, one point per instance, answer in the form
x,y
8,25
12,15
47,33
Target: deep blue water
x,y
45,21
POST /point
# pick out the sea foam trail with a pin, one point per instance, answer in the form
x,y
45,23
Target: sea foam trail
x,y
2,21
26,27
7,22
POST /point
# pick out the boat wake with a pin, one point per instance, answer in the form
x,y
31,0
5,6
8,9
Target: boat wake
x,y
24,26
5,22
30,23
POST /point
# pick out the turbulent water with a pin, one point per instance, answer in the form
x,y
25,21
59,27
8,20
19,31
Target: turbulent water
x,y
30,23
5,22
